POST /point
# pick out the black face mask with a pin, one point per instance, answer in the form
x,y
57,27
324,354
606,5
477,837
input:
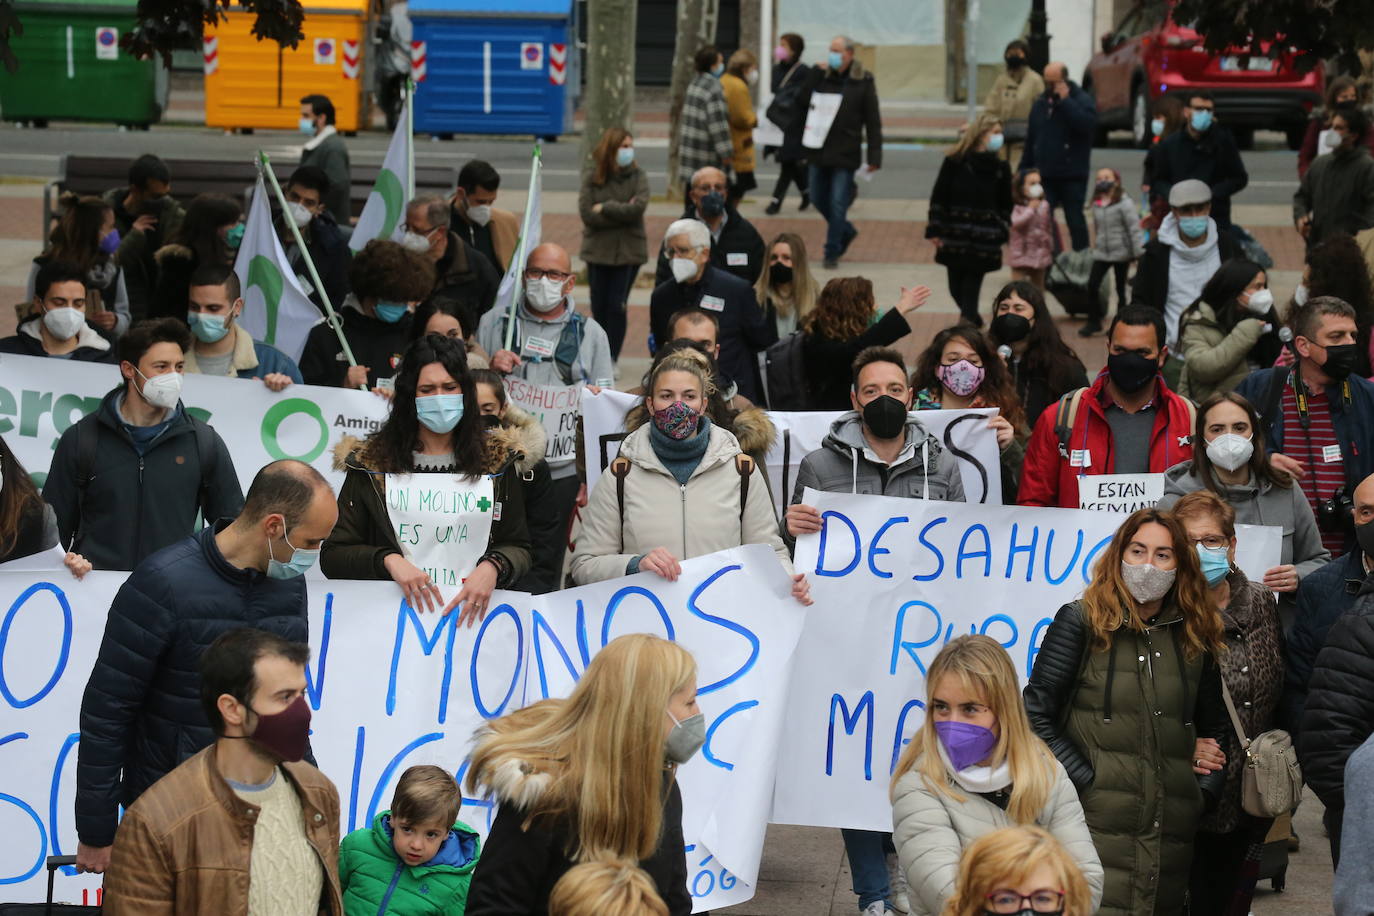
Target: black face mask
x,y
1346,105
1340,361
1130,371
491,421
885,416
1365,535
779,274
1015,63
1010,328
712,205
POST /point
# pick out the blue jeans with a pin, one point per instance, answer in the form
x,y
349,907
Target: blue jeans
x,y
867,851
831,191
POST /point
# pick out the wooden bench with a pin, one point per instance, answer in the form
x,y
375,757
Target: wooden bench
x,y
234,177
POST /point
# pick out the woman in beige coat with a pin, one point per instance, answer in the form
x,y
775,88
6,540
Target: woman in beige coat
x,y
680,488
974,767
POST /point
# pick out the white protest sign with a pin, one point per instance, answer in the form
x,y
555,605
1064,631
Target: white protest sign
x,y
555,406
735,611
391,688
442,522
964,432
1259,548
41,398
893,581
1119,492
819,118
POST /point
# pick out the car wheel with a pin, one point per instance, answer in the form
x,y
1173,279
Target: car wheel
x,y
1141,132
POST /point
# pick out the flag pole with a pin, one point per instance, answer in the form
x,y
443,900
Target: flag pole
x,y
519,257
265,167
410,132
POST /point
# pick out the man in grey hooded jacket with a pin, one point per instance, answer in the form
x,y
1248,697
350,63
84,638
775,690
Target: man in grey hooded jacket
x,y
879,449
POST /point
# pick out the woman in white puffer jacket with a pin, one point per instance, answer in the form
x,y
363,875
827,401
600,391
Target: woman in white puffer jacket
x,y
973,767
681,488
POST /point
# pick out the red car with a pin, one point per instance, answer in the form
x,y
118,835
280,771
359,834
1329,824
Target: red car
x,y
1149,55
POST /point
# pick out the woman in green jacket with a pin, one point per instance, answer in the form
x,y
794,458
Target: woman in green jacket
x,y
1231,330
1127,693
614,195
435,431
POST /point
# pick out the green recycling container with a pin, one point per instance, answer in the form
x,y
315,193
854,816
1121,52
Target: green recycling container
x,y
72,68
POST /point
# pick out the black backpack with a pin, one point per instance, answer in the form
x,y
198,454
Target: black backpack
x,y
784,374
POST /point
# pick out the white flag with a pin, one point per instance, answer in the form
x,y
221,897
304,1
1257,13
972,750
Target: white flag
x,y
276,310
384,213
529,240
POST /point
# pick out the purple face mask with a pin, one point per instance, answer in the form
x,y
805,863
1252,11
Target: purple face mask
x,y
677,420
110,243
965,743
961,378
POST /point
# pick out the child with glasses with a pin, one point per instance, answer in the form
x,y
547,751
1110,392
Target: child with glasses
x,y
1019,871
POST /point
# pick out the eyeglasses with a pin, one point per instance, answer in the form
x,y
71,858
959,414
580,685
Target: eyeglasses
x,y
418,230
1211,541
557,276
1041,901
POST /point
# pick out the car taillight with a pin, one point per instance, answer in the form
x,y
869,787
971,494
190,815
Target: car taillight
x,y
1178,41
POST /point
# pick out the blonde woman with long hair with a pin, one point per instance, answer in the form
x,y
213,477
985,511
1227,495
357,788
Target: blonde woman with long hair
x,y
970,212
606,887
1019,870
1127,693
973,767
786,290
589,776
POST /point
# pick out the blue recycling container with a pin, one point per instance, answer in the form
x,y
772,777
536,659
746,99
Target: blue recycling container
x,y
494,66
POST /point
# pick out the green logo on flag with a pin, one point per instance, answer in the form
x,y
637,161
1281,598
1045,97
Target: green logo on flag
x,y
388,187
263,274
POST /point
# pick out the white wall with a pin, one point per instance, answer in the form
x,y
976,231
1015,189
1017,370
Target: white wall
x,y
868,22
1073,39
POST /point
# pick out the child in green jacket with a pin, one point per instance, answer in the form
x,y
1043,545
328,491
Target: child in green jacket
x,y
411,861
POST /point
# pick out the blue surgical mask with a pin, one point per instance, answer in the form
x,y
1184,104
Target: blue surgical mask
x,y
836,60
995,142
625,156
717,70
440,412
1193,227
1201,120
208,328
298,565
234,237
391,312
1216,565
1157,127
307,126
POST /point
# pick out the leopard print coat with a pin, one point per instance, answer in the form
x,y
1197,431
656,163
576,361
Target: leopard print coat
x,y
1252,668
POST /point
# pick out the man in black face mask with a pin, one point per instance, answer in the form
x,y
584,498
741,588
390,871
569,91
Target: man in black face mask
x,y
180,846
1126,422
1319,421
878,448
736,246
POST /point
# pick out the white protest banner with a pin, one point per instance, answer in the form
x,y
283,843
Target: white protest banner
x,y
734,611
41,398
555,406
389,688
1119,492
964,432
893,581
442,522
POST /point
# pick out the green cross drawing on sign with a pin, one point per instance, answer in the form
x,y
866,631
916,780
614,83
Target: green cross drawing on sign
x,y
484,504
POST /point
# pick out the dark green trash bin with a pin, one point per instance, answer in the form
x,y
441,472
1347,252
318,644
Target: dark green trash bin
x,y
71,66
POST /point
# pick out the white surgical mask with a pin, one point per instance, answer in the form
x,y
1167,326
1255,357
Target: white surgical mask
x,y
544,294
1261,300
64,323
753,78
1300,295
479,215
1230,451
684,269
162,390
413,241
1035,191
299,214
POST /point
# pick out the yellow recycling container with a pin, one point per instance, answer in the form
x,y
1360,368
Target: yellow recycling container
x,y
251,83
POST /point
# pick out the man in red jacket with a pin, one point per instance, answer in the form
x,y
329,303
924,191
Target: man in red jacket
x,y
1126,422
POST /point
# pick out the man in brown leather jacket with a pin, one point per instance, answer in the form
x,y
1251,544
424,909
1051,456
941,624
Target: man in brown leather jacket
x,y
244,826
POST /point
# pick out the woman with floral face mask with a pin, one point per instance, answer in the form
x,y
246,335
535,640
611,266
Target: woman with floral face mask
x,y
1127,693
974,767
1230,331
1252,670
435,433
1234,465
959,370
681,488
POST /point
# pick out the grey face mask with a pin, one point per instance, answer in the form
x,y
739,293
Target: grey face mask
x,y
1147,582
685,739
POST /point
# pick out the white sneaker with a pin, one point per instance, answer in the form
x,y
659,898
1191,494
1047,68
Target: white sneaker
x,y
896,881
876,908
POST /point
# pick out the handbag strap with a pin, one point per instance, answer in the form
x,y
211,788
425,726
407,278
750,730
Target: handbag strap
x,y
1235,717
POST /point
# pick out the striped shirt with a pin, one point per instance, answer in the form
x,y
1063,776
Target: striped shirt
x,y
1319,451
